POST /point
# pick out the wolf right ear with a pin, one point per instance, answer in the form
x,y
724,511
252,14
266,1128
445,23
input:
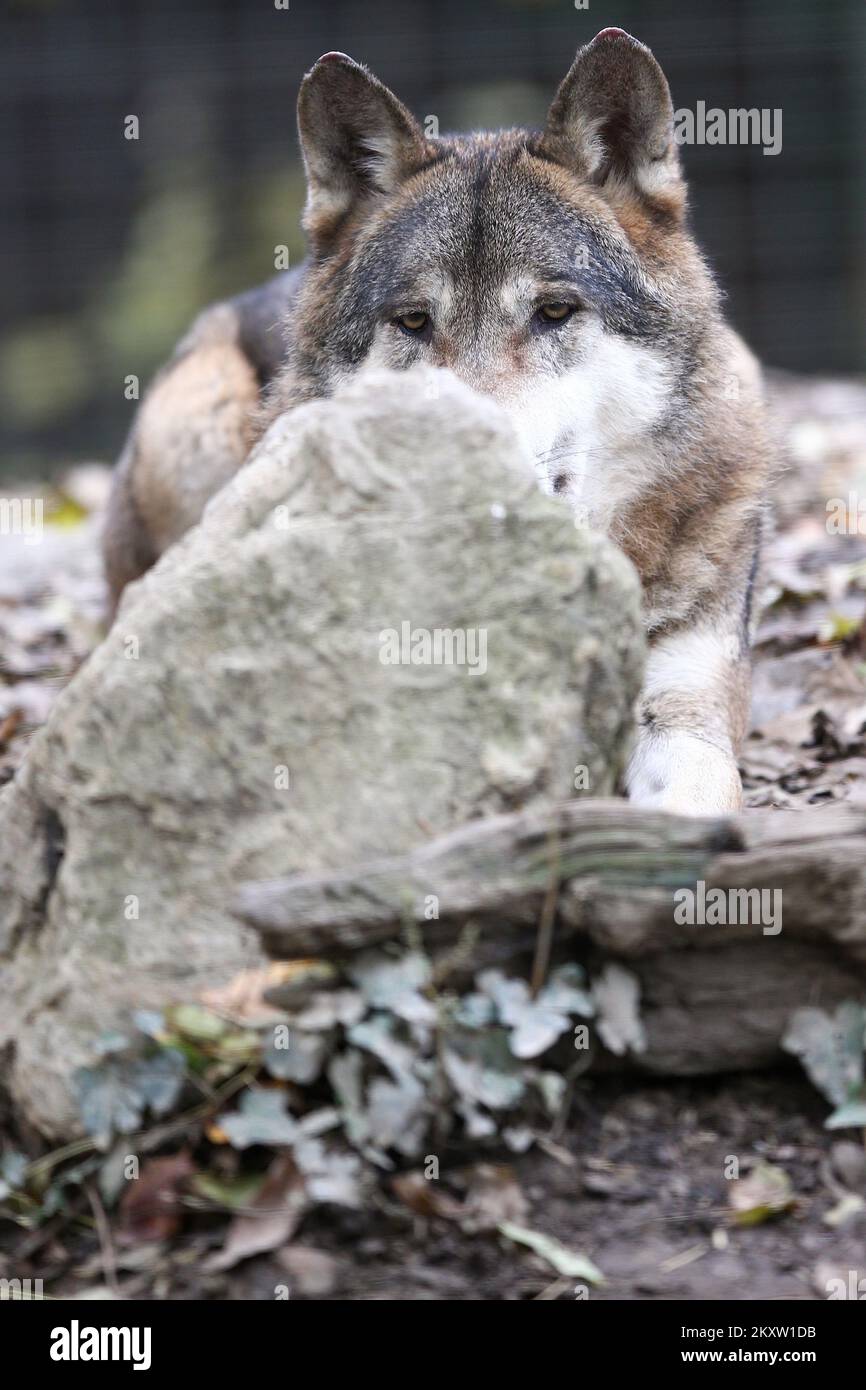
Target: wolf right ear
x,y
612,121
357,140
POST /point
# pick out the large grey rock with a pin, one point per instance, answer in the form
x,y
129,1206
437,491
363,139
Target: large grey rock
x,y
252,656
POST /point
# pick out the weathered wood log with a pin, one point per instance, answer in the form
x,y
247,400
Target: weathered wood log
x,y
714,996
617,868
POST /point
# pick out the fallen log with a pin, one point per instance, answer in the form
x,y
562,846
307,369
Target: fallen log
x,y
715,995
617,868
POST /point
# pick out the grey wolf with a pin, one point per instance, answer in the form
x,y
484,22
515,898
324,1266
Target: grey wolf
x,y
554,271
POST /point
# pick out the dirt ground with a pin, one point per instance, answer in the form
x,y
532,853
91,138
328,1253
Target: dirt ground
x,y
638,1181
639,1187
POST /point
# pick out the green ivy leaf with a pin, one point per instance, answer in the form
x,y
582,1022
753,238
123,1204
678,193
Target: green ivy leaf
x,y
261,1119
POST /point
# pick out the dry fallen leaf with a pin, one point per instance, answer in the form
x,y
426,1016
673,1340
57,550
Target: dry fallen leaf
x,y
150,1208
493,1196
271,1219
564,1261
425,1197
765,1193
312,1272
845,1210
243,1000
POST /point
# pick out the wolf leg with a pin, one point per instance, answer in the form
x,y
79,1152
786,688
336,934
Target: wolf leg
x,y
692,717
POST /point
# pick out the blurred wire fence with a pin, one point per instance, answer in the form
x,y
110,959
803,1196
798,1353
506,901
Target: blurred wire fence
x,y
110,245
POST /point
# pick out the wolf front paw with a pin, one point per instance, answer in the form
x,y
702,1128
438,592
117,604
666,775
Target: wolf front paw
x,y
683,774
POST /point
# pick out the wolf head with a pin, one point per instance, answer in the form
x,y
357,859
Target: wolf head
x,y
552,270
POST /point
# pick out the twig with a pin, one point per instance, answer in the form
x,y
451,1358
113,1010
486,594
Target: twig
x,y
551,1292
544,941
106,1244
50,1160
149,1138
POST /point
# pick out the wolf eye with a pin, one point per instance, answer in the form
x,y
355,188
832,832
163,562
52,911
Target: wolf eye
x,y
556,312
415,322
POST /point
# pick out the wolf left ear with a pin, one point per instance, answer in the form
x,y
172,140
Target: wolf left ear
x,y
612,121
357,140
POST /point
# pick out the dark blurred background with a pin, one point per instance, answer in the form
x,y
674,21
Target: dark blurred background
x,y
109,246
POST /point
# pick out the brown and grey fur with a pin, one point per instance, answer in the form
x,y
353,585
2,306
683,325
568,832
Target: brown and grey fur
x,y
642,408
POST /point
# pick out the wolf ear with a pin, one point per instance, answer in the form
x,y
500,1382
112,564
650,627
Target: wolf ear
x,y
357,140
612,121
